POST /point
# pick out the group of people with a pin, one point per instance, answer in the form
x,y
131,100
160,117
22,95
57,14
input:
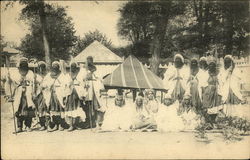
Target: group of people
x,y
205,89
56,99
76,99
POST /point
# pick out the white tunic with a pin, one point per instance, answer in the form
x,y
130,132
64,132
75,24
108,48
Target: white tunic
x,y
16,88
228,81
60,85
170,78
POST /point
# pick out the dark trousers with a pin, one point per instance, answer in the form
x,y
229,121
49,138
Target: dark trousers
x,y
211,118
57,120
26,119
90,114
99,118
44,121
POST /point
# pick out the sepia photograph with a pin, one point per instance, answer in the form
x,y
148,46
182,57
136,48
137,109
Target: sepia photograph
x,y
125,79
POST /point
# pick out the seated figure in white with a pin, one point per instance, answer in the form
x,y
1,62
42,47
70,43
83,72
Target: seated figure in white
x,y
118,116
141,118
168,119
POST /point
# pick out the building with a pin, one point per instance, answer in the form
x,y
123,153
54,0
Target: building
x,y
104,59
7,55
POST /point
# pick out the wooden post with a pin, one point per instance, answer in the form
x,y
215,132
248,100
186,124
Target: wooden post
x,y
134,94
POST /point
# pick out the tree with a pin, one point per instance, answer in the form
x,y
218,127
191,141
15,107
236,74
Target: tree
x,y
216,25
236,23
90,37
3,43
134,25
145,24
37,8
2,46
59,32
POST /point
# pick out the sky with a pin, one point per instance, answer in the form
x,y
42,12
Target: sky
x,y
87,16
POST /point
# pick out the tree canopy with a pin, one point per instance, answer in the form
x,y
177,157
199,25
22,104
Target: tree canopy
x,y
195,26
145,25
59,31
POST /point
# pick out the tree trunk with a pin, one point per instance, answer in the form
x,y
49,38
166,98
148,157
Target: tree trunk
x,y
156,45
45,39
155,59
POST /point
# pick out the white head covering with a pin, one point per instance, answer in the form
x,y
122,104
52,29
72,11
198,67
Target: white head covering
x,y
23,59
41,63
55,63
179,56
229,56
203,59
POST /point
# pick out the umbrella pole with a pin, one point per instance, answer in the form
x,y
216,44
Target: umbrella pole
x,y
134,94
11,95
161,96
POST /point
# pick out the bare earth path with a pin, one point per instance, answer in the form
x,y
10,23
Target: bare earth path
x,y
86,144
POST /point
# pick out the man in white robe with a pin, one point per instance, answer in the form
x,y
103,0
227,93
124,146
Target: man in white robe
x,y
39,100
21,87
56,90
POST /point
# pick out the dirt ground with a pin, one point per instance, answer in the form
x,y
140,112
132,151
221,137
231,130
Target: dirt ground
x,y
124,145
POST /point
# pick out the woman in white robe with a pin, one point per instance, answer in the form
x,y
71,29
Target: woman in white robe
x,y
211,98
175,78
230,89
194,89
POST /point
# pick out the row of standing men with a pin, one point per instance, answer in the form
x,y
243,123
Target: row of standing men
x,y
57,100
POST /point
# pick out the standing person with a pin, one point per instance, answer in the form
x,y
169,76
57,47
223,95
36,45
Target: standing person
x,y
194,88
22,87
93,85
74,104
203,73
212,93
175,79
55,93
39,96
88,78
231,95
